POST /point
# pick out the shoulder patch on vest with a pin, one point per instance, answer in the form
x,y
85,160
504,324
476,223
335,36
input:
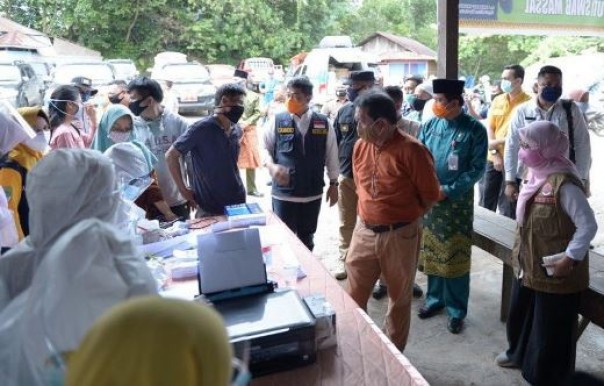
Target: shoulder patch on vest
x,y
344,128
318,124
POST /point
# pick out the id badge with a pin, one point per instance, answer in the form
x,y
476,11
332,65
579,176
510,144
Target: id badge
x,y
453,162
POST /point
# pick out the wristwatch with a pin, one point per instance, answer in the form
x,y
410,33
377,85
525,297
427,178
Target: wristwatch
x,y
334,183
493,151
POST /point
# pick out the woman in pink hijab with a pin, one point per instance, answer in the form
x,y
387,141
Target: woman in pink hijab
x,y
554,219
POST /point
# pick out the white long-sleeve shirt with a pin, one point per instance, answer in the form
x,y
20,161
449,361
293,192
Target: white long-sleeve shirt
x,y
302,124
530,112
574,203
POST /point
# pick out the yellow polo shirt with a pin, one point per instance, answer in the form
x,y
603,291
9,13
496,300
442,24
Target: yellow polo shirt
x,y
500,114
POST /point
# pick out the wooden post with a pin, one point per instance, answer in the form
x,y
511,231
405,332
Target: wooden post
x,y
506,292
448,39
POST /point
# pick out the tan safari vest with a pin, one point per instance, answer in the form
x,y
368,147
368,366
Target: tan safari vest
x,y
547,230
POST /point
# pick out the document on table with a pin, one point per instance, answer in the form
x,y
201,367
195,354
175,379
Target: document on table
x,y
230,260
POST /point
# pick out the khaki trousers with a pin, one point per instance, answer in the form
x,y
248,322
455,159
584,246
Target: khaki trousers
x,y
394,255
347,206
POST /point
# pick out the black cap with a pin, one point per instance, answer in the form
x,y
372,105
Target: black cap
x,y
240,74
448,86
360,76
82,81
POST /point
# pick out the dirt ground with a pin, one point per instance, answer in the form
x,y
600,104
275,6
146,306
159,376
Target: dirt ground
x,y
468,358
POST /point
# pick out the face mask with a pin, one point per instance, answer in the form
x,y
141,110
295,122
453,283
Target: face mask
x,y
295,107
119,136
409,98
136,108
37,143
115,99
531,157
440,110
352,94
85,96
506,86
418,104
234,113
551,94
584,106
56,106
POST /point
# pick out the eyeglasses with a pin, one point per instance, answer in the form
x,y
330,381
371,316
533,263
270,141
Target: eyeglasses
x,y
291,94
524,145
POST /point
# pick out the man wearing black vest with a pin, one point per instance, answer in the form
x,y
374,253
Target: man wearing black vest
x,y
345,127
299,145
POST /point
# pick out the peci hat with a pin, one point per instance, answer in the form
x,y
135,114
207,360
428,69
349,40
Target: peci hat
x,y
360,76
448,86
82,81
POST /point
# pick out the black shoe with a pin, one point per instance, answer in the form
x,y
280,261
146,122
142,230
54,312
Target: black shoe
x,y
455,325
428,312
255,194
417,291
379,291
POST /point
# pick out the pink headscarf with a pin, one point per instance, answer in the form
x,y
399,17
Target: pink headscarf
x,y
545,155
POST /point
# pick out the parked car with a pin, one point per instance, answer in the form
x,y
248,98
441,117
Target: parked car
x,y
221,73
257,69
191,86
20,84
124,69
100,73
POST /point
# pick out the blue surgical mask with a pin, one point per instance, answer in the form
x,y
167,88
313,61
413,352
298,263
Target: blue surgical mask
x,y
135,187
506,86
352,94
551,94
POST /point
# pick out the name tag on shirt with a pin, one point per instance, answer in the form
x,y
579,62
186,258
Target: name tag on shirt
x,y
453,162
286,130
318,131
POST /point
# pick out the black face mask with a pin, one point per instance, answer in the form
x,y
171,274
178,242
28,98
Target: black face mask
x,y
234,114
115,99
85,96
418,104
136,107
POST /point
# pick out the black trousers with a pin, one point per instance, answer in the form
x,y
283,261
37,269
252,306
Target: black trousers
x,y
492,188
541,331
300,217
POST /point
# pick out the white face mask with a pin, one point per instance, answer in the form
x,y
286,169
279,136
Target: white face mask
x,y
119,136
37,143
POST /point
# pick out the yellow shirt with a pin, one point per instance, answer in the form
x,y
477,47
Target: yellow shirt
x,y
500,114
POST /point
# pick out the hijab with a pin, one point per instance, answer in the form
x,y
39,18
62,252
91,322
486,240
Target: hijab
x,y
90,268
13,128
65,187
102,141
545,155
154,341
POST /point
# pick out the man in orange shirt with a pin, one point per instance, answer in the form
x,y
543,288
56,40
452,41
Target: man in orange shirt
x,y
396,183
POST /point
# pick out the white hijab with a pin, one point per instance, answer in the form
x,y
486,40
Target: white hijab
x,y
13,128
89,269
65,187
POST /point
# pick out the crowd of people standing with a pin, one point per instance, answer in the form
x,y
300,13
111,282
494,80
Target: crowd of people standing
x,y
401,164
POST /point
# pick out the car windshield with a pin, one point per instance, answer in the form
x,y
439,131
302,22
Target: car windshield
x,y
185,72
99,73
40,69
9,73
124,68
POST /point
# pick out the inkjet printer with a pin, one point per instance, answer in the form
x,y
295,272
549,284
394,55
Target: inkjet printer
x,y
277,325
